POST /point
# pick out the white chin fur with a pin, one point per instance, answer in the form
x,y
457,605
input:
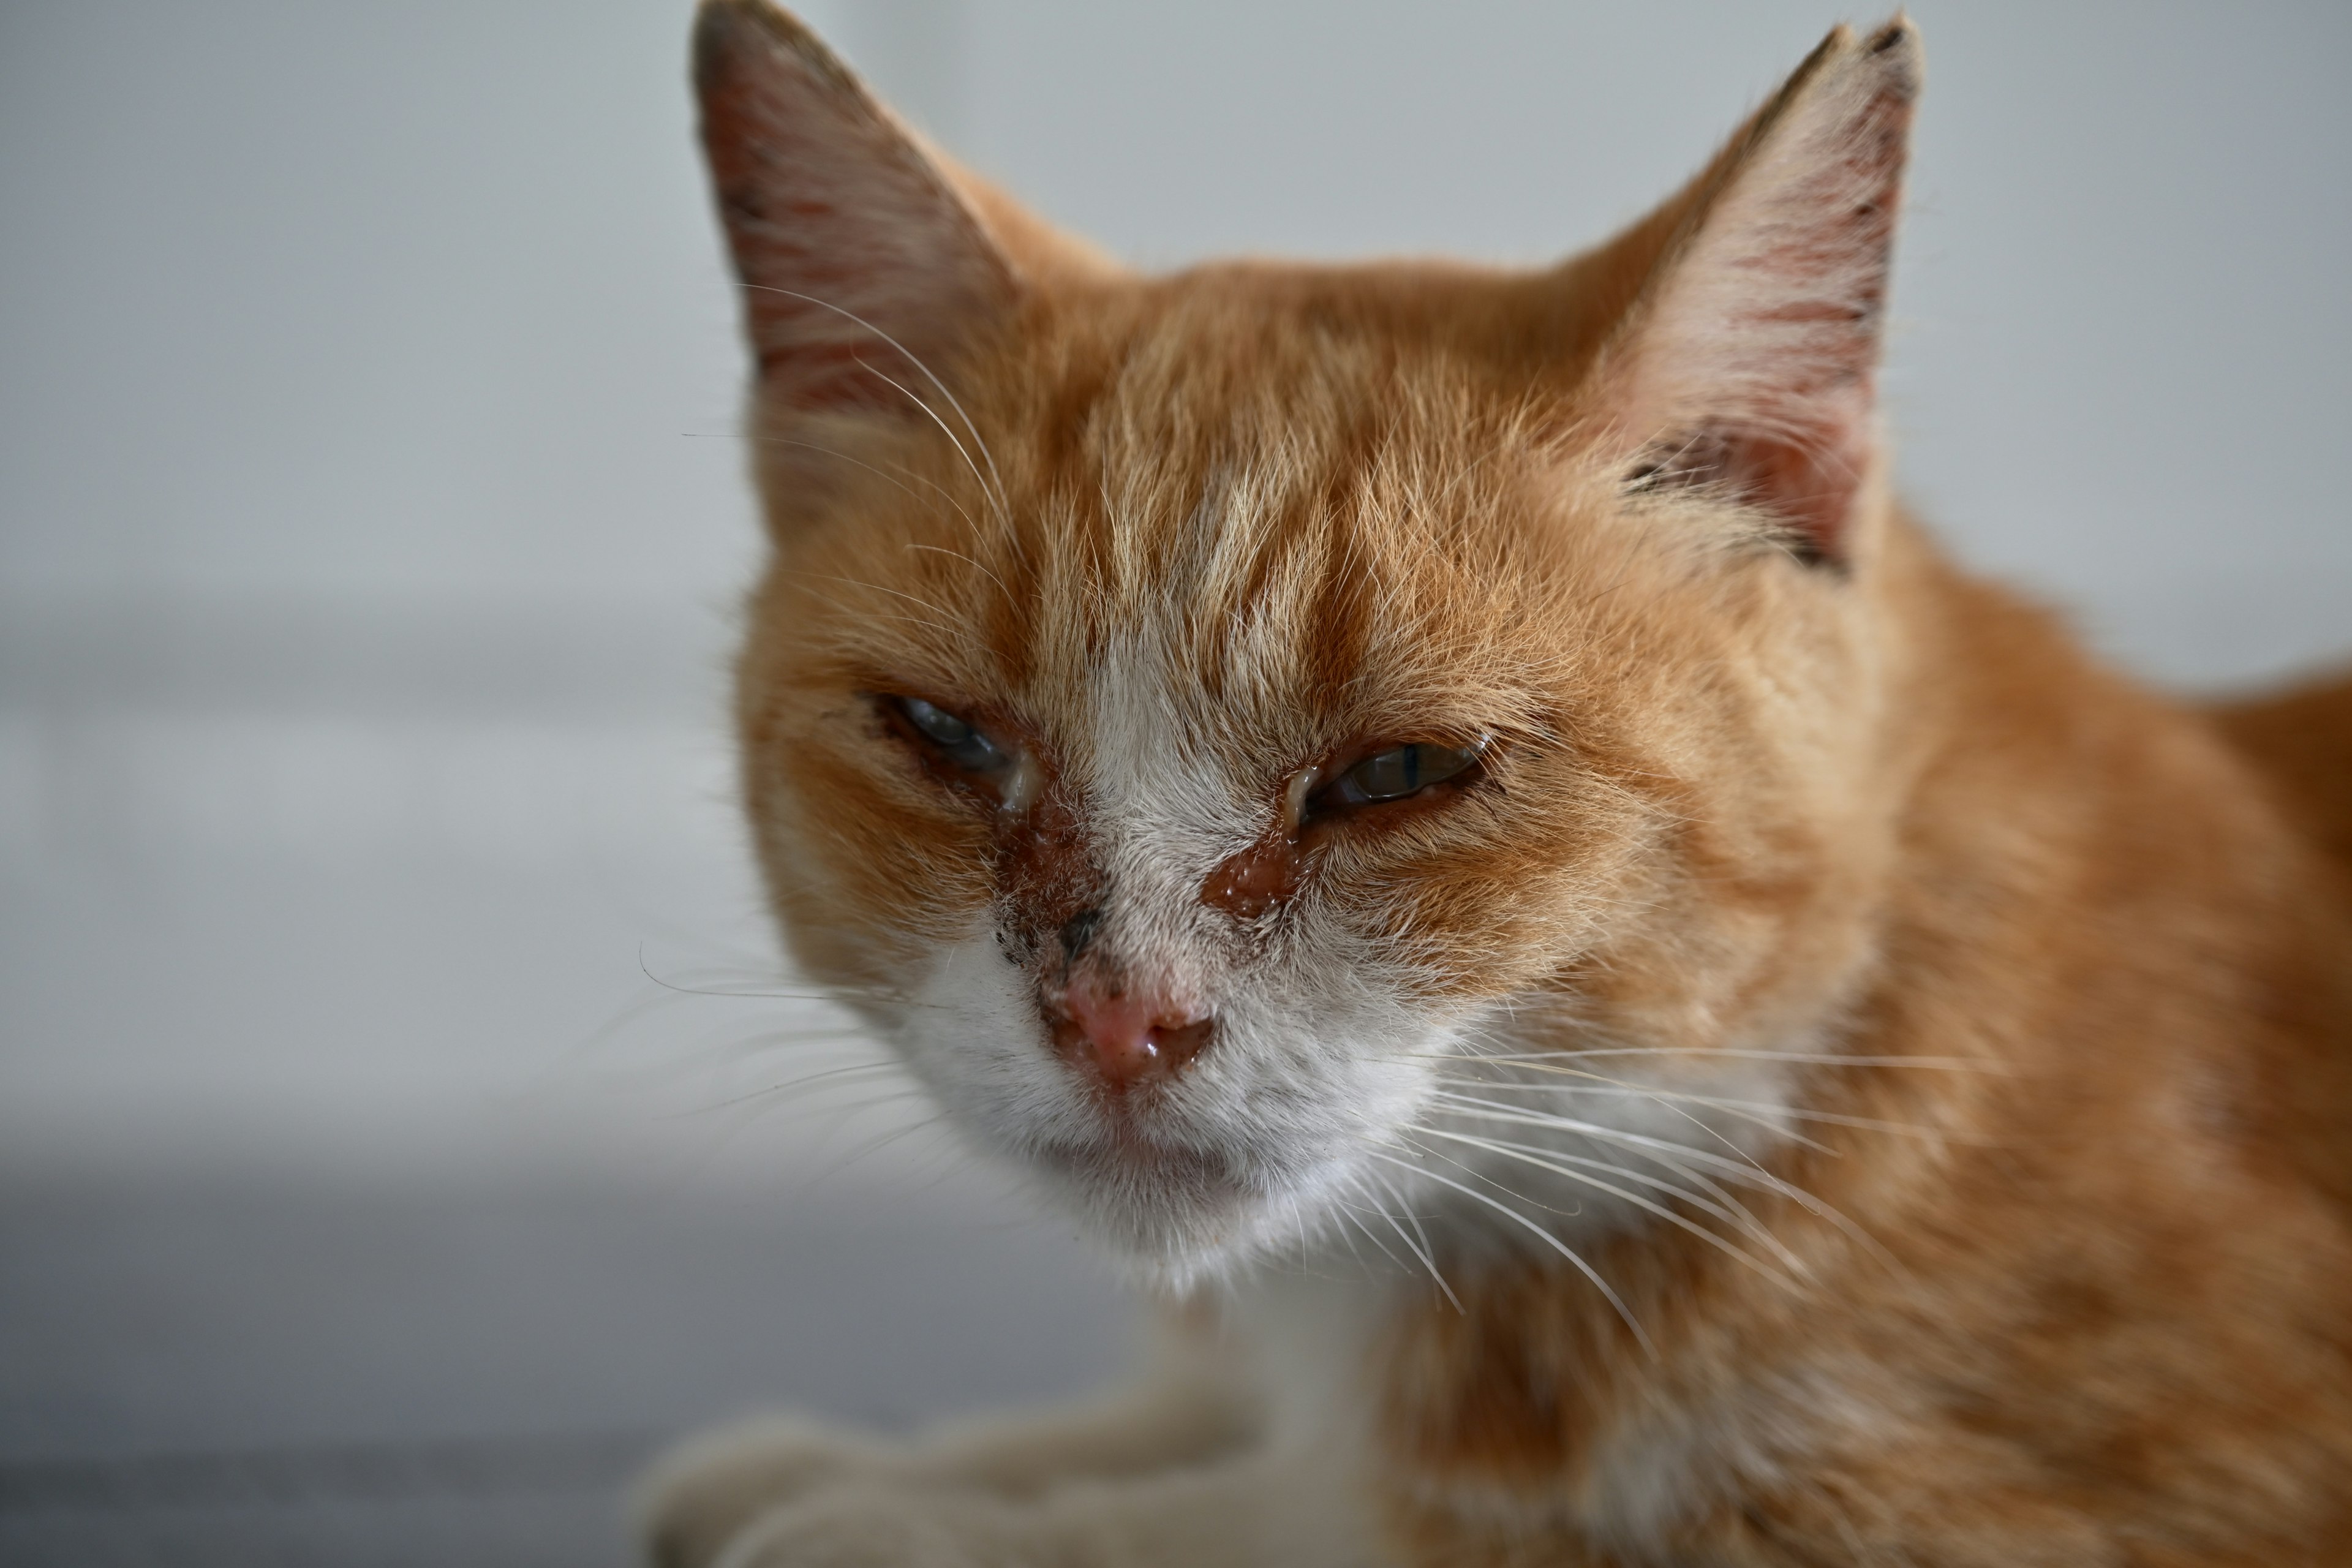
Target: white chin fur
x,y
1339,1116
1243,1156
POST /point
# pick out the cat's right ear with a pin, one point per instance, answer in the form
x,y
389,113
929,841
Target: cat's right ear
x,y
865,272
1750,306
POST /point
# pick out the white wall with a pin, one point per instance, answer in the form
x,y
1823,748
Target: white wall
x,y
367,512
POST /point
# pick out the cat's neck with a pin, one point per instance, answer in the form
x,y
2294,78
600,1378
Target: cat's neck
x,y
2092,888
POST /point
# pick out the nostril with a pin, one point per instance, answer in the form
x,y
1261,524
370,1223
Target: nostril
x,y
1175,1045
1118,1062
1130,1037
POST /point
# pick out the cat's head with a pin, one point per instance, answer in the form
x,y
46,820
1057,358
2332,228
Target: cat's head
x,y
1196,715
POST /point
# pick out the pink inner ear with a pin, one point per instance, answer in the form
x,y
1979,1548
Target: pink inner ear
x,y
1812,487
1752,370
1806,478
845,233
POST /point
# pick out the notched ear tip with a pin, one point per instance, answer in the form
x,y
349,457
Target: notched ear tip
x,y
1894,51
1888,58
1847,80
1855,82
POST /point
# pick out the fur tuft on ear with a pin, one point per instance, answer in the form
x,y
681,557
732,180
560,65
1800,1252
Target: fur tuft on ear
x,y
1746,362
862,263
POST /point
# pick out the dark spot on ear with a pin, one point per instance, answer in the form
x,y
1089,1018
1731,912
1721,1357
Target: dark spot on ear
x,y
1780,478
1806,551
1695,461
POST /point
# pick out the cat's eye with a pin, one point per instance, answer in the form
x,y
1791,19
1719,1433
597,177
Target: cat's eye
x,y
1397,772
961,753
958,741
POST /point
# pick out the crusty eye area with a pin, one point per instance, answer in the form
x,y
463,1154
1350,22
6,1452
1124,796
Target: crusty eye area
x,y
963,753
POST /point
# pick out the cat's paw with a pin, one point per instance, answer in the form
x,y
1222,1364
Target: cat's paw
x,y
698,1497
878,1526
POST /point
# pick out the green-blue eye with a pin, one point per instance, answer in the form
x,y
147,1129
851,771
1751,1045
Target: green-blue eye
x,y
958,739
1399,772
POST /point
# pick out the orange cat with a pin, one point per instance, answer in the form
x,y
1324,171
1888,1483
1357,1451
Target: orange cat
x,y
1466,780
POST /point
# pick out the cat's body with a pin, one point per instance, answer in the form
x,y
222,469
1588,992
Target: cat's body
x,y
1635,1014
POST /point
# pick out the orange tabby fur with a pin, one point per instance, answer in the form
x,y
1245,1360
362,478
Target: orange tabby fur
x,y
2067,1212
2302,741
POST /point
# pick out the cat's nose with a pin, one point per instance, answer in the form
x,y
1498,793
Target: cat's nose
x,y
1126,1037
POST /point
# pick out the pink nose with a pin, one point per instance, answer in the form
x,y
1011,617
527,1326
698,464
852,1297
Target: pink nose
x,y
1128,1036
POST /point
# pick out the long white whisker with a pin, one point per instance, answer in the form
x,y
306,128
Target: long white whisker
x,y
954,633
1540,1060
1747,1220
770,1091
1745,1171
960,556
1750,1109
1756,1114
1561,1167
1492,1180
915,599
1741,1216
1707,1205
1418,1242
716,1055
886,1140
1548,1239
1348,1217
826,992
1349,1226
909,394
1666,1101
915,360
746,1115
887,478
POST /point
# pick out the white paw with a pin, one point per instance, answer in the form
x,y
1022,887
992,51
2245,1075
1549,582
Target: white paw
x,y
870,1526
698,1498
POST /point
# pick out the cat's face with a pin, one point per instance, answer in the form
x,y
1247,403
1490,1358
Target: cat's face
x,y
1216,712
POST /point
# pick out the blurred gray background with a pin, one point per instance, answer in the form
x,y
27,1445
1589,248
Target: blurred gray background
x,y
399,1129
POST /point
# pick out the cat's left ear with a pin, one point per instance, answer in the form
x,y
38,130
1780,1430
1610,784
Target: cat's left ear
x,y
1745,362
861,264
